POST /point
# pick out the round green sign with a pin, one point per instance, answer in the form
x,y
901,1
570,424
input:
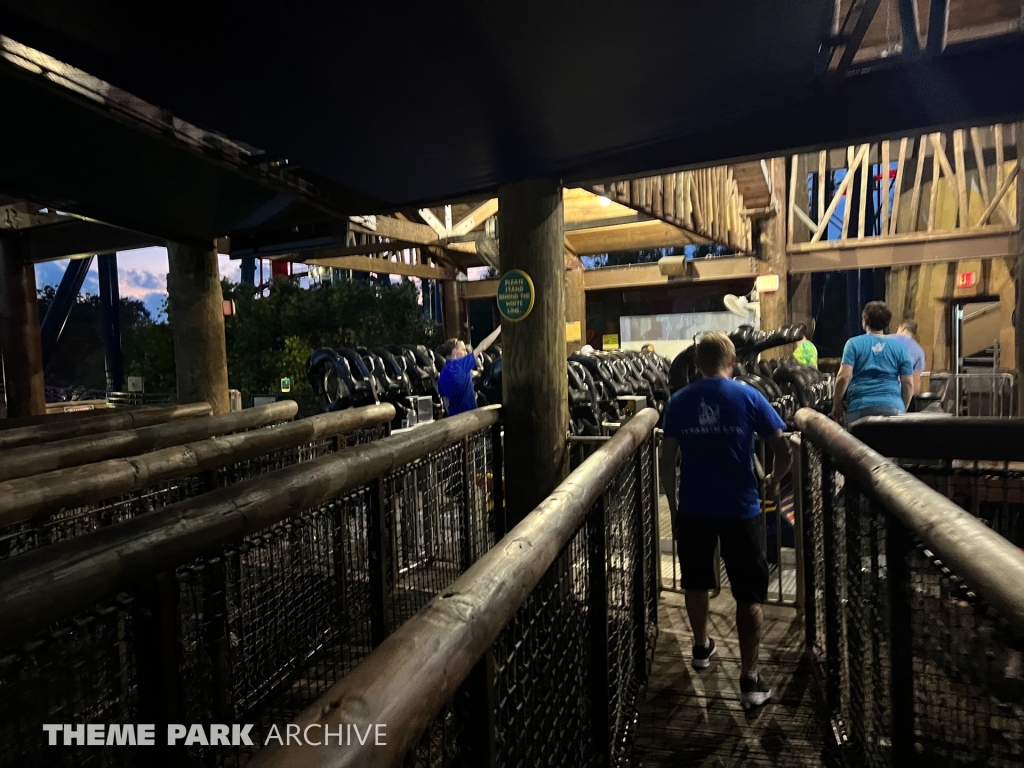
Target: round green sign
x,y
515,295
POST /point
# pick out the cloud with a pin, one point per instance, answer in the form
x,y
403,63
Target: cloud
x,y
134,278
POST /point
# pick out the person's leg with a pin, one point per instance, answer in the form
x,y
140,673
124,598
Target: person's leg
x,y
695,541
697,612
747,567
748,627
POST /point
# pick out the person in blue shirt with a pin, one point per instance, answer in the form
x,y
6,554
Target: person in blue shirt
x,y
905,335
712,422
876,372
456,380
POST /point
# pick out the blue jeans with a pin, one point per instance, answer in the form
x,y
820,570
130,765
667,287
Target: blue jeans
x,y
877,410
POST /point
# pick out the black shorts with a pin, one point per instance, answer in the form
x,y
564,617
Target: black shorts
x,y
742,552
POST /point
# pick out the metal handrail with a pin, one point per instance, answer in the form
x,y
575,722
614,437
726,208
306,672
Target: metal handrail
x,y
990,564
99,564
411,675
75,451
63,427
28,497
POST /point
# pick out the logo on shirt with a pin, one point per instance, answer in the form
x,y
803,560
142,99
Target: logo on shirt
x,y
878,347
707,415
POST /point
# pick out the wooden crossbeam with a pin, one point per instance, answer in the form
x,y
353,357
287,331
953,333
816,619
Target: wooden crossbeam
x,y
433,222
898,189
844,185
999,195
474,219
979,161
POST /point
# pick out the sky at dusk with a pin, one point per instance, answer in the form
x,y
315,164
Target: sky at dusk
x,y
142,275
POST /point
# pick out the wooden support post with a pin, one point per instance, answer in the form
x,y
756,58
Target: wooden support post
x,y
196,312
20,340
535,388
772,258
575,307
452,311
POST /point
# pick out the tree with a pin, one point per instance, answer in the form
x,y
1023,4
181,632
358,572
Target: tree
x,y
78,359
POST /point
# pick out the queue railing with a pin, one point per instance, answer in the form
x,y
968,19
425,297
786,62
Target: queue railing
x,y
244,604
537,655
914,612
61,504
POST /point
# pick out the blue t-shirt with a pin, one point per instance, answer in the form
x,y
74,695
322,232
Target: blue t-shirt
x,y
456,384
913,349
878,362
714,421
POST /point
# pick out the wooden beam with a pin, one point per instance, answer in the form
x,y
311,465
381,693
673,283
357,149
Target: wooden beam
x,y
851,35
391,227
1000,194
961,177
903,250
795,161
811,224
934,199
433,222
915,195
383,266
883,189
979,162
475,219
938,26
898,187
843,187
865,166
910,28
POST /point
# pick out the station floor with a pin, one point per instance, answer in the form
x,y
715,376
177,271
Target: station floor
x,y
691,718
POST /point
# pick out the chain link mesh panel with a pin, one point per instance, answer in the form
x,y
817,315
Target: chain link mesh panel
x,y
71,522
546,685
268,624
898,626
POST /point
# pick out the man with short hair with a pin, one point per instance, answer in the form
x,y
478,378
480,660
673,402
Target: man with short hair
x,y
713,422
456,380
905,335
876,371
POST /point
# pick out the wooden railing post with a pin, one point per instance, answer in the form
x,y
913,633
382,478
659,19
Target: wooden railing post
x,y
597,526
379,540
157,648
832,603
640,573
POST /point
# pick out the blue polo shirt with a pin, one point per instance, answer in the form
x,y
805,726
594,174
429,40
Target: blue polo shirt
x,y
913,349
715,421
878,362
456,384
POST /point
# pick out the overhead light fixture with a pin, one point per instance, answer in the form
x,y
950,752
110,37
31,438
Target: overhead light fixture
x,y
604,201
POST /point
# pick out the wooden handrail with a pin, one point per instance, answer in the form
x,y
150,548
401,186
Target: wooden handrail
x,y
46,493
64,429
61,580
73,452
989,564
418,668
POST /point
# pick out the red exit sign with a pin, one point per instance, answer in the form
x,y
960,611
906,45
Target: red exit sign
x,y
966,279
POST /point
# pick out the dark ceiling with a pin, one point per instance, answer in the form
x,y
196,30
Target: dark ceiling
x,y
410,103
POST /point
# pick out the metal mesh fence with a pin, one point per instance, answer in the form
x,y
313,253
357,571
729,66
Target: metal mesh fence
x,y
991,491
264,627
560,685
72,522
917,668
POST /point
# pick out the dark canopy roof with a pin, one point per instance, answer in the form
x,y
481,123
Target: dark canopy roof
x,y
423,102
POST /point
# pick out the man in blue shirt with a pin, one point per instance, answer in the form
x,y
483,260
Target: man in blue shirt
x,y
456,380
876,371
713,422
905,335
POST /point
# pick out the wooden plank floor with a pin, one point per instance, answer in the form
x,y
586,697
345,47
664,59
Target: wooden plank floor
x,y
691,718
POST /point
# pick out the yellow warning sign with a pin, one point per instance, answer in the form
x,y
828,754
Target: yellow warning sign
x,y
610,341
573,331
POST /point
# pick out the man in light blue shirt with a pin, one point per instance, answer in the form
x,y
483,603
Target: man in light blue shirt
x,y
905,335
876,371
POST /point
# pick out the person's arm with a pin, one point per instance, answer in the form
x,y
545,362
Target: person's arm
x,y
483,345
783,459
907,389
843,379
667,469
917,383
